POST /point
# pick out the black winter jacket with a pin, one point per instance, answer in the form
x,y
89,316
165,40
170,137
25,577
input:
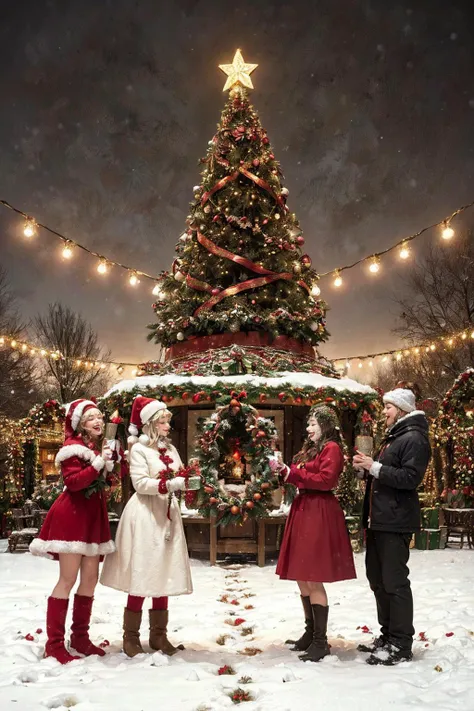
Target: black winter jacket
x,y
391,500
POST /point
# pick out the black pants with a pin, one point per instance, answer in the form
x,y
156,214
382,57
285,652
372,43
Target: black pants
x,y
387,572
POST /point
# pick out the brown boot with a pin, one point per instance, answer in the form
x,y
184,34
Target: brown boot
x,y
319,647
158,639
131,632
302,644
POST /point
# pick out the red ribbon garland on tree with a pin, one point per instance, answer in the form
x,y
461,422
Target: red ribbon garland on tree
x,y
245,285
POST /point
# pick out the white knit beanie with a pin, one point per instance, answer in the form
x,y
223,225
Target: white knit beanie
x,y
401,398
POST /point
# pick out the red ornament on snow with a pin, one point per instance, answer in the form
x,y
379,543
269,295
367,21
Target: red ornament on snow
x,y
196,397
184,396
282,396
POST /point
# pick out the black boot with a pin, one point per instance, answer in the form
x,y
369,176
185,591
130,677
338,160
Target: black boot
x,y
319,648
390,655
301,644
378,643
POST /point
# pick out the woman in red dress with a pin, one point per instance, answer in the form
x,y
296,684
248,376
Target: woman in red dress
x,y
76,530
316,548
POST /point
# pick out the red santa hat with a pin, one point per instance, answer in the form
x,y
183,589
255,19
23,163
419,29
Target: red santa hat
x,y
74,414
143,409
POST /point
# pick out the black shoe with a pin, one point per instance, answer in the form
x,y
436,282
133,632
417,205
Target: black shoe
x,y
389,656
377,643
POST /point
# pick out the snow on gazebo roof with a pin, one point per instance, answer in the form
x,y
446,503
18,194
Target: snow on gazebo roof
x,y
287,379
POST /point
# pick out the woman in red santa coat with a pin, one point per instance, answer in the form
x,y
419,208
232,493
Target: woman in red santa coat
x,y
152,558
316,548
76,530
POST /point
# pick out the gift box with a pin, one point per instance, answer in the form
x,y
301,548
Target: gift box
x,y
430,517
428,539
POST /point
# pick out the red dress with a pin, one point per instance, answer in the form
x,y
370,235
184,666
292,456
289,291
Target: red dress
x,y
316,546
76,524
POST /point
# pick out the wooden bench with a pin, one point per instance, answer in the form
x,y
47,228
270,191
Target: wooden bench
x,y
26,526
210,542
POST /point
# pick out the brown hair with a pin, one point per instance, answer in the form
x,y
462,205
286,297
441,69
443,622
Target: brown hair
x,y
330,432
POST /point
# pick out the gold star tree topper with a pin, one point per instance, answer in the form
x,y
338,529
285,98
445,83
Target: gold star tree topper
x,y
238,72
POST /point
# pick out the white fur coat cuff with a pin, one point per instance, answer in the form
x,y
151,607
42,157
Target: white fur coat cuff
x,y
98,463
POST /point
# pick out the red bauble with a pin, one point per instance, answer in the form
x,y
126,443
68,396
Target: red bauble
x,y
196,397
306,260
265,140
256,162
271,156
208,489
265,485
249,504
298,399
262,397
234,510
213,500
282,396
184,396
257,496
261,434
300,240
235,403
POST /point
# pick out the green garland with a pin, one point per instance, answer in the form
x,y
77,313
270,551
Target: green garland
x,y
236,425
454,431
190,393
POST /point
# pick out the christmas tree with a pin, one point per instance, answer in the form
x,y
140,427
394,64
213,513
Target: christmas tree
x,y
239,265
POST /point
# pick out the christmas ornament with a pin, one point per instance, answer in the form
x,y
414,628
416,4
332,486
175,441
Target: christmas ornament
x,y
238,72
180,336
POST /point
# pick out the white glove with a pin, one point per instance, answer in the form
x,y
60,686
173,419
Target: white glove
x,y
98,463
176,484
109,465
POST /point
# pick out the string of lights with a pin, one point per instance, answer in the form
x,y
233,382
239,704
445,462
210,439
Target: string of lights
x,y
104,264
444,343
34,351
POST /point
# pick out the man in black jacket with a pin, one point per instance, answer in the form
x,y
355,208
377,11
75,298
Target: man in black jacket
x,y
391,515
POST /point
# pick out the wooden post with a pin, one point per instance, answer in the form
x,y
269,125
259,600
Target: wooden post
x,y
212,540
261,543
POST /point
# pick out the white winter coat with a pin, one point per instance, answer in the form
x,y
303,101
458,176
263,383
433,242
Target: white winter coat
x,y
145,562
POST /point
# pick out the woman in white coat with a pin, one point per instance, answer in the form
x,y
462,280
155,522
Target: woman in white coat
x,y
151,559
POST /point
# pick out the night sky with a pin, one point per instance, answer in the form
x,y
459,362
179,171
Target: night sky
x,y
106,107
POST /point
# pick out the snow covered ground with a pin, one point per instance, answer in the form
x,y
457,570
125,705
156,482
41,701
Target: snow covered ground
x,y
440,678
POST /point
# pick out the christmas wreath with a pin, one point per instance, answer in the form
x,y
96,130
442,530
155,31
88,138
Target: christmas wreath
x,y
237,445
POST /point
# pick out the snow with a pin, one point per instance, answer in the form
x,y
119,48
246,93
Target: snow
x,y
288,379
442,582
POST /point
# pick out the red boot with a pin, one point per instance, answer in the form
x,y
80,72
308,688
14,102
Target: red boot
x,y
55,624
81,616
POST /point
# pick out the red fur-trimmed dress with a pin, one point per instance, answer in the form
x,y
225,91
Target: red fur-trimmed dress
x,y
316,545
76,524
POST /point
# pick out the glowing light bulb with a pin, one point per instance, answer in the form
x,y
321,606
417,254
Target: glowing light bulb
x,y
374,265
133,279
315,290
447,231
67,250
404,251
337,279
102,267
29,229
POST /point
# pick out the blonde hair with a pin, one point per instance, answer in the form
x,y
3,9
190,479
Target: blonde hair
x,y
150,430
